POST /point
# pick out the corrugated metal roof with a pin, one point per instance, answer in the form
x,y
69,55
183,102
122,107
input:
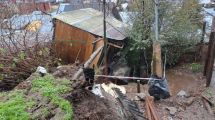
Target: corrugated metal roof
x,y
91,21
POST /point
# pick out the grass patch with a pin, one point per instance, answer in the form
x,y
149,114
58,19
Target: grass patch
x,y
209,92
196,67
52,89
13,106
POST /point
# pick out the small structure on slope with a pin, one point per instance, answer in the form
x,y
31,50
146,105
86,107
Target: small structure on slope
x,y
77,34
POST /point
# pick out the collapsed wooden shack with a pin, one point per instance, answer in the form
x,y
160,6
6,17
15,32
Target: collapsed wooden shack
x,y
77,34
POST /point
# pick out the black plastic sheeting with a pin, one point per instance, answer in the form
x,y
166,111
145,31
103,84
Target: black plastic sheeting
x,y
89,73
158,88
132,108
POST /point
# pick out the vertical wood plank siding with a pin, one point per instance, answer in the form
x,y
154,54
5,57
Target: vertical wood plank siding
x,y
70,40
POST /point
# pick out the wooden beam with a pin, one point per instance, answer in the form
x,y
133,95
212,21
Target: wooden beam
x,y
87,63
150,109
209,63
114,45
97,40
208,107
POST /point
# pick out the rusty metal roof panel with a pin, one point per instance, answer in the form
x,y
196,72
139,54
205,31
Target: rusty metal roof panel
x,y
91,21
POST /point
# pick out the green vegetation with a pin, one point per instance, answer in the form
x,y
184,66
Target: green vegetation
x,y
179,29
196,67
209,92
1,65
53,89
13,106
22,55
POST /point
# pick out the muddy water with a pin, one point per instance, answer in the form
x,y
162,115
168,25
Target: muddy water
x,y
181,80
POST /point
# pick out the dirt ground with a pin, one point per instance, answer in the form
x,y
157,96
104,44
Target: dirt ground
x,y
88,106
85,105
190,107
91,107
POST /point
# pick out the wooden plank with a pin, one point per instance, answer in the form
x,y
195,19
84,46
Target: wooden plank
x,y
152,108
117,46
87,63
148,111
207,99
97,40
69,40
208,107
96,60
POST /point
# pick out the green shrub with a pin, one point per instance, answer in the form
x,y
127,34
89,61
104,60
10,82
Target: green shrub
x,y
196,67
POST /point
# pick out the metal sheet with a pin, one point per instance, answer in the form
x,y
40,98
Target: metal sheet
x,y
91,20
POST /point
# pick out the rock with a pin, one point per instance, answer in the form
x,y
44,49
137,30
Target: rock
x,y
141,96
172,110
166,118
189,101
180,109
182,93
136,98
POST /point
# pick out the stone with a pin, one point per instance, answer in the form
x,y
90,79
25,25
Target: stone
x,y
180,109
189,101
141,96
182,93
136,98
172,110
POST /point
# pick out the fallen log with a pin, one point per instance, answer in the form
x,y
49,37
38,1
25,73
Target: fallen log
x,y
87,63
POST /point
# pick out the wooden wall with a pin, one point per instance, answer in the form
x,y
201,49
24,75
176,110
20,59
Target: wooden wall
x,y
71,41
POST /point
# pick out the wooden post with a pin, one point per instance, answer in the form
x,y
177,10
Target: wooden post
x,y
156,60
138,86
203,32
209,63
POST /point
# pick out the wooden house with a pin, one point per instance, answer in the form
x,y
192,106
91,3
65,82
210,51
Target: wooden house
x,y
77,34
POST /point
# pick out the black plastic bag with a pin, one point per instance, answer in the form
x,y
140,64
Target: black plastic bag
x,y
158,88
